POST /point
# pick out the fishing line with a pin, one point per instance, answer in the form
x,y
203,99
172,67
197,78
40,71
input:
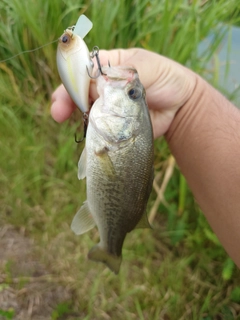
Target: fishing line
x,y
28,51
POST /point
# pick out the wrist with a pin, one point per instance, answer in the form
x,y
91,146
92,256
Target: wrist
x,y
204,138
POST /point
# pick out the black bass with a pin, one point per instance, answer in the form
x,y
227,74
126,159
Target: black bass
x,y
118,164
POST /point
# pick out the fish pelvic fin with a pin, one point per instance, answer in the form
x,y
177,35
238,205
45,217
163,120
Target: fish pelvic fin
x,y
100,255
83,220
105,162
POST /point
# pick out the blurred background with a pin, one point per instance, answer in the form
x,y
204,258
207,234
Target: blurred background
x,y
178,270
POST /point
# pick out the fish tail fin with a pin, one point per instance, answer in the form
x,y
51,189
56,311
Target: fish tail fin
x,y
99,254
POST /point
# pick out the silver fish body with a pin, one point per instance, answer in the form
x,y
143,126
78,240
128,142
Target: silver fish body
x,y
73,59
118,164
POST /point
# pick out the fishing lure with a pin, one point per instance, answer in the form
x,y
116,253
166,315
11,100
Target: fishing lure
x,y
74,62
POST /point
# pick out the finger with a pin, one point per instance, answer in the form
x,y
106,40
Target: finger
x,y
115,57
142,60
62,105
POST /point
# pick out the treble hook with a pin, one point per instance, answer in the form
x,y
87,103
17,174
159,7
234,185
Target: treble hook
x,y
85,123
95,52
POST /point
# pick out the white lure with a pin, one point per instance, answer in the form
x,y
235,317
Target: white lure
x,y
73,60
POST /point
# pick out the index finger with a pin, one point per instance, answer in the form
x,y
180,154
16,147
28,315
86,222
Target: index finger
x,y
62,104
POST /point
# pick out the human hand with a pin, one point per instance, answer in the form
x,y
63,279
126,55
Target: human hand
x,y
204,136
168,86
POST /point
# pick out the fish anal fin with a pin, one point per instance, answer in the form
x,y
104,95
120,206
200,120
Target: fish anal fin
x,y
143,222
83,220
82,163
100,255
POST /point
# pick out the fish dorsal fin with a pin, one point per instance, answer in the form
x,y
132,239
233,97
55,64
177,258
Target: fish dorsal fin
x,y
82,163
83,220
143,223
83,26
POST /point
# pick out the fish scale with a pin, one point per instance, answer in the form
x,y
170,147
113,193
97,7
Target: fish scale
x,y
118,164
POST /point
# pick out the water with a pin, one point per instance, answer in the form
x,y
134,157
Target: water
x,y
229,59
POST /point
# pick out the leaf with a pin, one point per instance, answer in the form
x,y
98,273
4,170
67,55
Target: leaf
x,y
228,269
235,295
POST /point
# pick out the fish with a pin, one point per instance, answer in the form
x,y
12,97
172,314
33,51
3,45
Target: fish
x,y
117,162
73,60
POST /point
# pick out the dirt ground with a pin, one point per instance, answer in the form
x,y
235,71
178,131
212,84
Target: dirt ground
x,y
26,286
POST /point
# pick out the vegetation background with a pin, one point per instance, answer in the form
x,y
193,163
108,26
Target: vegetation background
x,y
179,269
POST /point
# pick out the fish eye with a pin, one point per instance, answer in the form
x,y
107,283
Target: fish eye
x,y
135,93
65,38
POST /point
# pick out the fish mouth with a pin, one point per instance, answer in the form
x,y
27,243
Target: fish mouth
x,y
116,77
119,73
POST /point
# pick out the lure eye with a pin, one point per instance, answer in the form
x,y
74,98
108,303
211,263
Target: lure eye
x,y
65,38
134,93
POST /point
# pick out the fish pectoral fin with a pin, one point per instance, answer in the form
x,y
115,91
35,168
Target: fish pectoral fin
x,y
99,254
105,162
83,220
143,222
82,163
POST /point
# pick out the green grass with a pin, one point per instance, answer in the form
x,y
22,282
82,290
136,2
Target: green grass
x,y
177,271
